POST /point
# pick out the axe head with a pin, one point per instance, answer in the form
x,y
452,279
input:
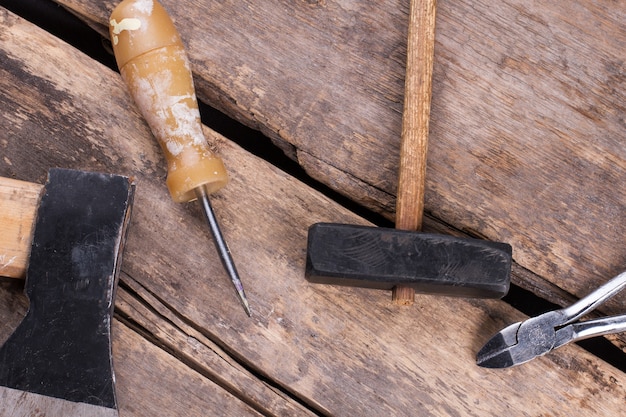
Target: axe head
x,y
58,361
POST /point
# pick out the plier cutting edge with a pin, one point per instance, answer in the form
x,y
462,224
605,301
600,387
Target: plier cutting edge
x,y
522,341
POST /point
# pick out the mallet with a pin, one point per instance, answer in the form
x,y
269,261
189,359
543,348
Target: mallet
x,y
402,259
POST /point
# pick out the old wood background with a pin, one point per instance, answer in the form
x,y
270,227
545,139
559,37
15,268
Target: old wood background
x,y
527,146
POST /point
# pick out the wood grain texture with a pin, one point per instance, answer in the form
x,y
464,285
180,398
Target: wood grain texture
x,y
16,403
415,122
152,381
19,201
182,343
415,115
527,120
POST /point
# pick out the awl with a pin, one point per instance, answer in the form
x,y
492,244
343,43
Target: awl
x,y
153,63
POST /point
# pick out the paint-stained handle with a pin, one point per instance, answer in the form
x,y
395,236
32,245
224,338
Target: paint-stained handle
x,y
154,65
18,207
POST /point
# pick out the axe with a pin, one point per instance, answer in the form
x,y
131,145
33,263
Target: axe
x,y
67,238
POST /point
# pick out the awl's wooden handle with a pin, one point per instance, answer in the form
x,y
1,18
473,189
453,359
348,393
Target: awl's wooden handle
x,y
19,201
154,65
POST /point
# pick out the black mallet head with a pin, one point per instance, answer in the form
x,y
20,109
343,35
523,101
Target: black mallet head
x,y
382,258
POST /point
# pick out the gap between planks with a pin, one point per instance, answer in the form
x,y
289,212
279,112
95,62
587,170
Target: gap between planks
x,y
159,324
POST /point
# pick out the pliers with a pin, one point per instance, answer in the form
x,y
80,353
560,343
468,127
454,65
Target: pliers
x,y
522,341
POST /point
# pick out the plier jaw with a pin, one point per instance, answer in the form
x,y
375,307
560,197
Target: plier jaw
x,y
497,351
523,341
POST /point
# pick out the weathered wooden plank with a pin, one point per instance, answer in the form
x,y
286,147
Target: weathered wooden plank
x,y
152,382
337,351
527,114
166,328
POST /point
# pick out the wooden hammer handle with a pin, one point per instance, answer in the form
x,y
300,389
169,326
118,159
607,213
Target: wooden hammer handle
x,y
417,93
19,201
415,117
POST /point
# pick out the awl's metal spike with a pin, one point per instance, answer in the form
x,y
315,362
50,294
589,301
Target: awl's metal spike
x,y
222,247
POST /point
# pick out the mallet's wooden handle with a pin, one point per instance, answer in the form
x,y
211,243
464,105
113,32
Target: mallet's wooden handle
x,y
19,201
417,94
416,114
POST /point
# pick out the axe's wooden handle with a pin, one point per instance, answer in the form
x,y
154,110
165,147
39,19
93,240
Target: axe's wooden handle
x,y
414,143
19,201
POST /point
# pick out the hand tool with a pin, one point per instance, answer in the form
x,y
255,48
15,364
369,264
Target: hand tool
x,y
401,259
522,341
58,361
153,63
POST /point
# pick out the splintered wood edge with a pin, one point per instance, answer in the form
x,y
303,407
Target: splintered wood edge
x,y
18,201
403,296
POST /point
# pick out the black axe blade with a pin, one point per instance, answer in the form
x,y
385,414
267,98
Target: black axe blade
x,y
382,258
59,357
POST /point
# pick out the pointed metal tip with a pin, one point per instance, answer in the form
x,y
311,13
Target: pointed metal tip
x,y
222,247
244,302
496,353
